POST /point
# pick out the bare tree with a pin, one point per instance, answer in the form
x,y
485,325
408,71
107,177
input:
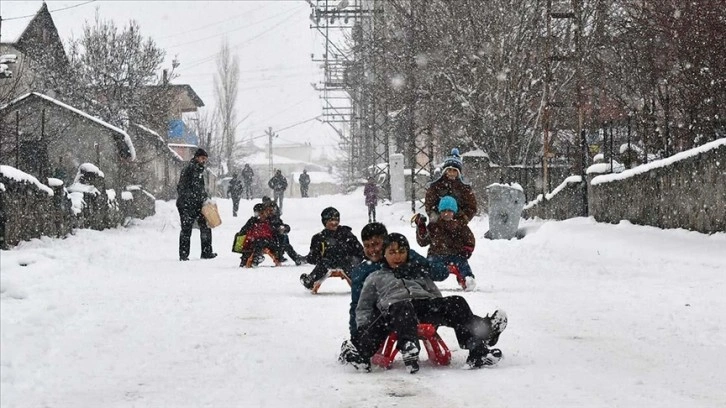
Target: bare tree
x,y
226,83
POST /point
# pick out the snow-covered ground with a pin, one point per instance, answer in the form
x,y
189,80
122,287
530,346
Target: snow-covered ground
x,y
599,316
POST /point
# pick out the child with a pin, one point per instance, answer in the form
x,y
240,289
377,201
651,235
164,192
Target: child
x,y
260,235
335,247
403,293
451,240
371,193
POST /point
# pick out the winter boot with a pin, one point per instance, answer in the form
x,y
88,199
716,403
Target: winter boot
x,y
483,357
497,323
469,284
306,281
349,355
409,351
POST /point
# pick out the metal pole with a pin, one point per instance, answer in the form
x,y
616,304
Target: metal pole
x,y
17,139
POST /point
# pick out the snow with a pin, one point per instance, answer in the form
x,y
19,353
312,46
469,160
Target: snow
x,y
127,138
475,153
553,193
600,315
515,186
23,177
89,168
54,182
660,163
127,195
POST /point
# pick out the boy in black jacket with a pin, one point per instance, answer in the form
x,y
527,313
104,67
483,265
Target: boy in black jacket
x,y
335,247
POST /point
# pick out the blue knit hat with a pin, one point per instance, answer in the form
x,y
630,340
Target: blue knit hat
x,y
448,203
453,161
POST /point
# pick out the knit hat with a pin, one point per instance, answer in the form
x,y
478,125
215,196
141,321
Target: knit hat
x,y
453,161
328,214
200,152
448,203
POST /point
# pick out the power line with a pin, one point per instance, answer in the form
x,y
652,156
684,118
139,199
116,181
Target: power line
x,y
223,33
245,42
50,11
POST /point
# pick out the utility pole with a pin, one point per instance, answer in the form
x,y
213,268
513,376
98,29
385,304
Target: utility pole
x,y
270,134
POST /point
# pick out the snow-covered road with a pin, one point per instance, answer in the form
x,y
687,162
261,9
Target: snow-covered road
x,y
600,316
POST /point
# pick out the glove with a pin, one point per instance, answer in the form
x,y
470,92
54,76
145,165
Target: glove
x,y
420,219
466,251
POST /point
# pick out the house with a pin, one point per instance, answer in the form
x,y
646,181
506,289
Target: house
x,y
157,165
37,47
51,139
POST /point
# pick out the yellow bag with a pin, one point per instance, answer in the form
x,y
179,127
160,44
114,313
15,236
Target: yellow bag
x,y
239,243
210,213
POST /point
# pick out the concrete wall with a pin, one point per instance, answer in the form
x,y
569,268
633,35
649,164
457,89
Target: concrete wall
x,y
566,201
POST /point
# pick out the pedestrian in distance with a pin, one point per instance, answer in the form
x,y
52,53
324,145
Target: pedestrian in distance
x,y
278,184
234,191
247,175
191,195
371,193
304,181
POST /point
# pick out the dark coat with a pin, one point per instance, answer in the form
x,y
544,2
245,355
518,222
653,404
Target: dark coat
x,y
235,187
247,174
335,246
304,179
190,190
278,182
447,238
456,188
371,193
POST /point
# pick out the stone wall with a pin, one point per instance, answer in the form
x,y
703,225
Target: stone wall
x,y
687,190
565,201
28,211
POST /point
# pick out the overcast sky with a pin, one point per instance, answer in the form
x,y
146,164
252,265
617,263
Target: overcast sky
x,y
272,38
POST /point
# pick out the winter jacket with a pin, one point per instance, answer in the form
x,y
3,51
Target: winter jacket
x,y
235,187
256,229
456,188
335,246
304,179
247,174
388,286
359,274
278,183
190,190
446,238
371,193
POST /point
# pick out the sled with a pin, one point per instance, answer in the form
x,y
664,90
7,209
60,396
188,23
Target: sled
x,y
436,349
265,251
332,273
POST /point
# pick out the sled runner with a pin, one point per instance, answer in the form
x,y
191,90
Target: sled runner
x,y
437,350
332,273
265,251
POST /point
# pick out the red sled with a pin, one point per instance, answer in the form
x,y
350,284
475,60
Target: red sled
x,y
437,350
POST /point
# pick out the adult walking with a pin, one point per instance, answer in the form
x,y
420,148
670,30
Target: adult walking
x,y
304,181
191,195
247,175
234,191
278,184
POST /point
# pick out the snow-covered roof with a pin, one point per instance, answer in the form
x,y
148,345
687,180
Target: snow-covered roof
x,y
659,163
127,138
476,153
21,176
161,139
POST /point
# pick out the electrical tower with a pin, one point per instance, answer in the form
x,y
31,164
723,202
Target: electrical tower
x,y
349,73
